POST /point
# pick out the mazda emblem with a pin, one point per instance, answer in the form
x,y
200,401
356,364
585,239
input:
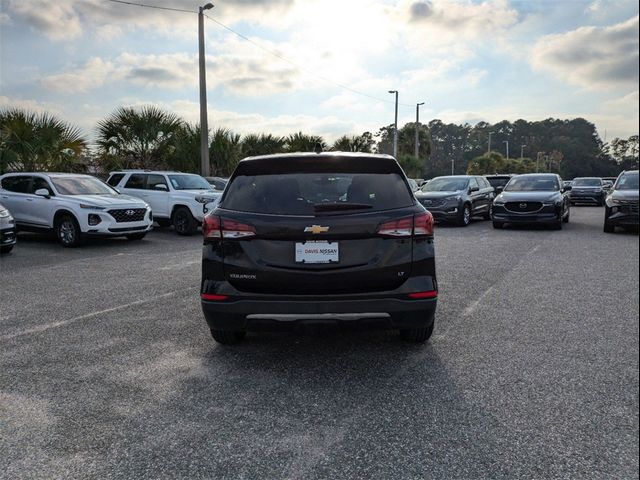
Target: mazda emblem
x,y
523,206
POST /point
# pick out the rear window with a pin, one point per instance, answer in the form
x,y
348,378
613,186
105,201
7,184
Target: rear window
x,y
313,193
587,182
498,181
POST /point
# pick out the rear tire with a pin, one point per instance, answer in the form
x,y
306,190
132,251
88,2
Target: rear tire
x,y
68,231
465,216
183,221
136,236
498,225
417,335
565,219
6,249
226,337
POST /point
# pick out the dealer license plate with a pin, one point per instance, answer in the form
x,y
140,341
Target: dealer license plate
x,y
317,251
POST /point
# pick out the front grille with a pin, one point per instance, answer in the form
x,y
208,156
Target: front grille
x,y
523,207
428,203
630,206
128,214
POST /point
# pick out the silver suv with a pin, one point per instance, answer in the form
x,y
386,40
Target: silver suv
x,y
73,206
176,198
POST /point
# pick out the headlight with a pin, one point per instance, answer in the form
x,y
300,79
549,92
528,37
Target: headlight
x,y
499,203
615,201
4,213
204,199
91,207
549,204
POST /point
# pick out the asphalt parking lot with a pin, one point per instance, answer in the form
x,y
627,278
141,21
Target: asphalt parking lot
x,y
107,368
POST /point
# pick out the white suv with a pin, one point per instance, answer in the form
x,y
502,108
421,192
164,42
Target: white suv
x,y
74,206
176,198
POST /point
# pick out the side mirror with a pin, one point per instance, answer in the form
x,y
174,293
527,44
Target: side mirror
x,y
499,189
474,189
43,192
161,186
567,188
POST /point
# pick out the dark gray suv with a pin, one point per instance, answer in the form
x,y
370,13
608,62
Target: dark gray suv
x,y
457,198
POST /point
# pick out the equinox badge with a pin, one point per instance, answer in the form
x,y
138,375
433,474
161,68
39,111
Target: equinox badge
x,y
316,229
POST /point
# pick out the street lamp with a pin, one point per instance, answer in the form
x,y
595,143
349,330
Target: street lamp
x,y
507,143
204,124
395,127
417,128
490,133
522,147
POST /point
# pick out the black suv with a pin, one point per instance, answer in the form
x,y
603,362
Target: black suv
x,y
457,198
587,190
621,205
498,181
533,198
329,238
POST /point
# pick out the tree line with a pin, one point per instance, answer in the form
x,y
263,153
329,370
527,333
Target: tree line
x,y
150,137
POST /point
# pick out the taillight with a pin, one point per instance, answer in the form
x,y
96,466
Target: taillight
x,y
214,227
402,227
417,226
212,297
211,227
423,224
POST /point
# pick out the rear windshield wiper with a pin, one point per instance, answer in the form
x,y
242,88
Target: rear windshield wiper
x,y
338,206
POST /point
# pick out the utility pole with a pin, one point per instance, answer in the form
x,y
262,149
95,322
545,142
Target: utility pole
x,y
418,129
490,133
395,127
522,147
507,142
453,163
204,124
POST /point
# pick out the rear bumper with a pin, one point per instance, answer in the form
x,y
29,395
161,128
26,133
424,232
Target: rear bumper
x,y
275,312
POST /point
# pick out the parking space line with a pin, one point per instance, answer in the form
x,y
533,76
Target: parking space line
x,y
49,326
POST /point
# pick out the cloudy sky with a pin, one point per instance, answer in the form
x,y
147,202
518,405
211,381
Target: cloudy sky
x,y
325,66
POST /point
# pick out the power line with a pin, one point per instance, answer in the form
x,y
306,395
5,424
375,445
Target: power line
x,y
309,72
270,52
157,7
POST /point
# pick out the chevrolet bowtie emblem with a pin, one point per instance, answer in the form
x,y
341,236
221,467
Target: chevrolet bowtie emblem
x,y
316,229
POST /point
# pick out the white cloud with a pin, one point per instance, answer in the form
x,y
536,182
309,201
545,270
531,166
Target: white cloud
x,y
592,57
90,76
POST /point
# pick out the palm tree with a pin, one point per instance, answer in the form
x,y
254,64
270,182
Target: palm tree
x,y
38,142
139,137
300,142
225,150
357,143
262,144
185,156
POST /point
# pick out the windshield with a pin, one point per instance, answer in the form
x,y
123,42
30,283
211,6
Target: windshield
x,y
498,181
587,182
628,181
189,182
533,183
81,186
311,193
446,184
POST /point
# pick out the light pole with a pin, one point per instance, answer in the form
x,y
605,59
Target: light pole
x,y
522,147
507,143
453,164
418,128
204,124
395,127
490,133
